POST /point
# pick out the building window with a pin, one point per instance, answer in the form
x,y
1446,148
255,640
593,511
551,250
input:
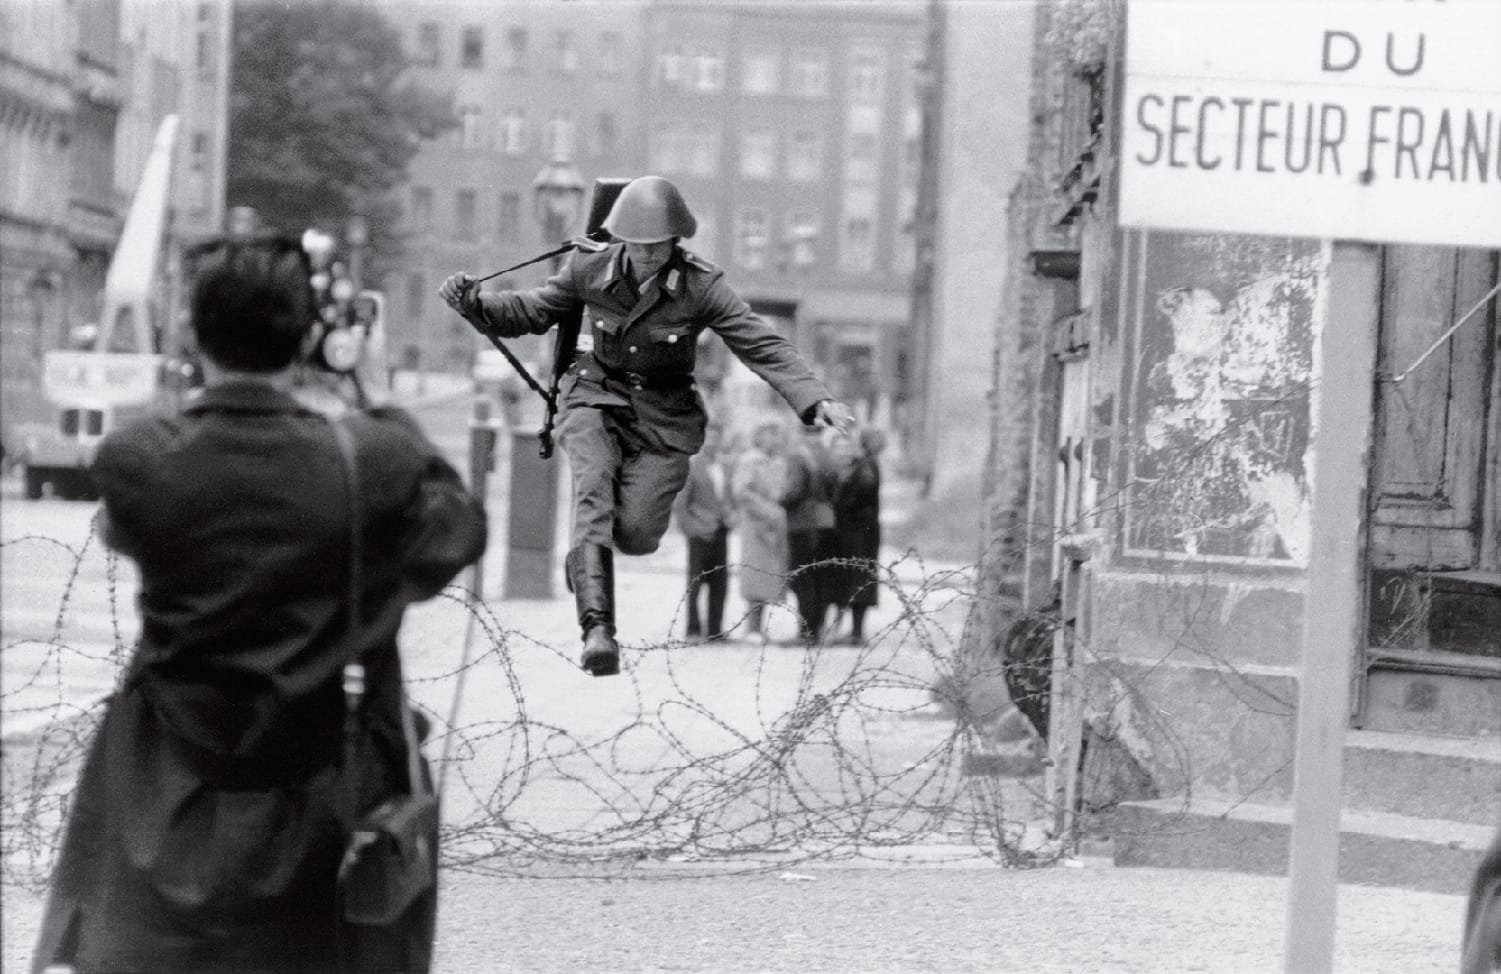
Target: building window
x,y
472,50
559,136
464,203
751,239
701,71
508,217
513,132
606,135
758,154
513,55
856,252
809,74
708,72
758,73
610,59
867,76
198,160
857,231
568,52
470,121
670,70
802,237
422,208
427,53
805,156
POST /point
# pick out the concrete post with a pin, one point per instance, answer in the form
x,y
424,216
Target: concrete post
x,y
1344,367
533,507
481,461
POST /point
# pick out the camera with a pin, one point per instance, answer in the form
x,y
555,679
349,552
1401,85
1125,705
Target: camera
x,y
349,323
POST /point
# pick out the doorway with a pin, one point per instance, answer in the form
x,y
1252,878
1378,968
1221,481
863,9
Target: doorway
x,y
1433,636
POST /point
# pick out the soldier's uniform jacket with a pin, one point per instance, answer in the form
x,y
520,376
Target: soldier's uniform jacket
x,y
644,344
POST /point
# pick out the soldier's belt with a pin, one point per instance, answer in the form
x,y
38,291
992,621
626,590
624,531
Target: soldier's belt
x,y
644,380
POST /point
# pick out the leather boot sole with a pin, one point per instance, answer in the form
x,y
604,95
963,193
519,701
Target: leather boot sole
x,y
601,655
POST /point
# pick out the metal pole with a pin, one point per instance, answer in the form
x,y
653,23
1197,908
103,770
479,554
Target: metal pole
x,y
481,460
1344,359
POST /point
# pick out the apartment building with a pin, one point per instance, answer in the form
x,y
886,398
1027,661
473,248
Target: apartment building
x,y
792,129
532,83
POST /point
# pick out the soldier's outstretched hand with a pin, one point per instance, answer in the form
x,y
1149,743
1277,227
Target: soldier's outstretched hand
x,y
832,412
461,292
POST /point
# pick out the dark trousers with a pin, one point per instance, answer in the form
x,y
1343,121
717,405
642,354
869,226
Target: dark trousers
x,y
622,489
708,571
806,552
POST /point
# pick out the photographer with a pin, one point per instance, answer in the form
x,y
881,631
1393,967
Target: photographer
x,y
631,412
210,818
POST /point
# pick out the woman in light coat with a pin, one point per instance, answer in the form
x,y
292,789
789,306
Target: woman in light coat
x,y
757,484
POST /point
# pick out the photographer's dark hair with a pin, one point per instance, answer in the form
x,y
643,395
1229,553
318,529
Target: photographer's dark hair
x,y
252,301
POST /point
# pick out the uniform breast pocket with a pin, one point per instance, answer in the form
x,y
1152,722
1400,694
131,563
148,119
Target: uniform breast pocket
x,y
672,347
601,321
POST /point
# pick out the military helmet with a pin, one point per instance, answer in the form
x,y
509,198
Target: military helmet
x,y
650,210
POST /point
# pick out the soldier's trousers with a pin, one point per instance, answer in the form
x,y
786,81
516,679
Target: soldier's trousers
x,y
623,487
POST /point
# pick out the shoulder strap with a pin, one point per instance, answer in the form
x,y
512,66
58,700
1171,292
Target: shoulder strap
x,y
345,441
415,782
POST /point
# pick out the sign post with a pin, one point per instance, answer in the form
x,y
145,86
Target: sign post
x,y
1347,120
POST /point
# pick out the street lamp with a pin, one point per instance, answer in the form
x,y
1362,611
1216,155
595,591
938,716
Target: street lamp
x,y
357,235
558,201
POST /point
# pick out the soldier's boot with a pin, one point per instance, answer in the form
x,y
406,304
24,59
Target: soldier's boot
x,y
590,569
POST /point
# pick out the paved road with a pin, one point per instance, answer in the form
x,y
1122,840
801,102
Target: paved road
x,y
1055,921
725,767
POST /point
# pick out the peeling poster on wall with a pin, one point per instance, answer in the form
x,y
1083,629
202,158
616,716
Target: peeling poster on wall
x,y
1223,334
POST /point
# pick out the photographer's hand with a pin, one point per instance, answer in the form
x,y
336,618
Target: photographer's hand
x,y
461,292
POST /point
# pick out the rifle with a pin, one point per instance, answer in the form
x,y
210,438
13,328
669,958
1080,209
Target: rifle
x,y
565,345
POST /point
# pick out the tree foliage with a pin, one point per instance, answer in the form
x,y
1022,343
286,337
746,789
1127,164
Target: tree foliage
x,y
323,119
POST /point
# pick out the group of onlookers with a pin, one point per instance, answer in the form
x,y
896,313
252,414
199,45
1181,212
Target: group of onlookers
x,y
807,514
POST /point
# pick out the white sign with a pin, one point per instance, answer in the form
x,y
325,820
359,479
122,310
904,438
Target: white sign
x,y
94,379
1373,120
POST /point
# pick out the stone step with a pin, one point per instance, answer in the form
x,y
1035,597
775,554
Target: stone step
x,y
1424,776
1375,848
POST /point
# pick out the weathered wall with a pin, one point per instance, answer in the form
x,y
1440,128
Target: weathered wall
x,y
1018,410
1195,623
1194,671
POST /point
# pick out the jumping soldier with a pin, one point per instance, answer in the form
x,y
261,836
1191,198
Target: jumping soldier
x,y
631,413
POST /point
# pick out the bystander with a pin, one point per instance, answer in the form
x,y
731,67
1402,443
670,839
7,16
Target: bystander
x,y
757,484
704,514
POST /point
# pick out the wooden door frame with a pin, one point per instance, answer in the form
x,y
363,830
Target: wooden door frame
x,y
1488,508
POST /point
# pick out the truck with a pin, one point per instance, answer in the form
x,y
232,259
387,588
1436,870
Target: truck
x,y
125,367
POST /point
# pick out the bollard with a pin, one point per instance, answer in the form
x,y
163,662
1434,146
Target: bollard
x,y
533,515
533,508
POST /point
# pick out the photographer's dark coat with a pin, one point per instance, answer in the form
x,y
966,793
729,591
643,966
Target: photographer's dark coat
x,y
206,829
629,400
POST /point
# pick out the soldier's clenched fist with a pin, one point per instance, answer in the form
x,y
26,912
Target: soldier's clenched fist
x,y
461,292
